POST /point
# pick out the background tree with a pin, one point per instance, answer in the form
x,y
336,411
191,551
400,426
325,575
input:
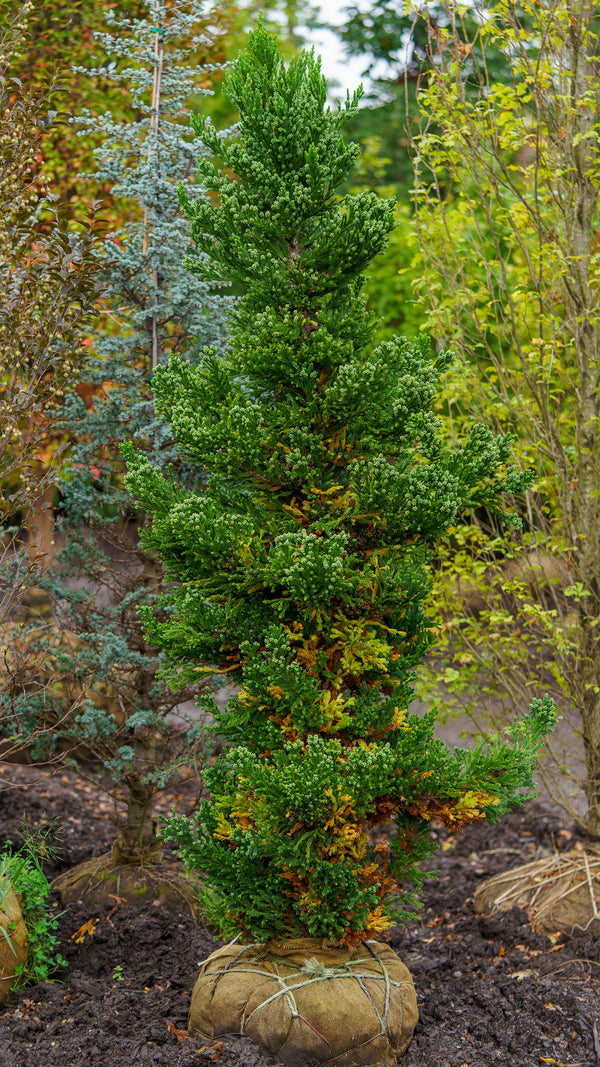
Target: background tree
x,y
393,45
47,285
297,568
128,722
48,290
389,277
507,209
400,46
62,35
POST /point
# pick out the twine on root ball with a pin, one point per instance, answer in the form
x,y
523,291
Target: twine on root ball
x,y
308,998
559,892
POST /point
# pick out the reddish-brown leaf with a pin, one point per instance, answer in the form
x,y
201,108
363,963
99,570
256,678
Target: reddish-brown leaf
x,y
179,1034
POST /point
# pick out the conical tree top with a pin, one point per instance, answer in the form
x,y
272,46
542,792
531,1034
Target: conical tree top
x,y
324,457
278,228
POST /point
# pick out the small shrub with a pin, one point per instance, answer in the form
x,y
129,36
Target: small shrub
x,y
22,870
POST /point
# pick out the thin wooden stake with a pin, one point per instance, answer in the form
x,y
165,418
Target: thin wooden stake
x,y
154,134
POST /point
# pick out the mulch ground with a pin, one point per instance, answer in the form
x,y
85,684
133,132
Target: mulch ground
x,y
490,990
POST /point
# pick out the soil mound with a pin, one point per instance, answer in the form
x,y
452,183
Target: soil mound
x,y
491,991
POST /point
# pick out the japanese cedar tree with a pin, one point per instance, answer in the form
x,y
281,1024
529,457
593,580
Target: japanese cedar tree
x,y
298,569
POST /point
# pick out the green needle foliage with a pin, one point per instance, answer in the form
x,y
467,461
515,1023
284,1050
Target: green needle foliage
x,y
298,568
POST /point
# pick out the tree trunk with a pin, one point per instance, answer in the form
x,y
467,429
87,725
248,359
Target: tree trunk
x,y
36,602
591,746
137,841
583,325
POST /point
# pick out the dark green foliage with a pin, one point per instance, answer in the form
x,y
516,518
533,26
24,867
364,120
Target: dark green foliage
x,y
316,791
298,568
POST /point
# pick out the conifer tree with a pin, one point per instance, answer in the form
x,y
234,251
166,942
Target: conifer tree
x,y
298,569
126,719
62,36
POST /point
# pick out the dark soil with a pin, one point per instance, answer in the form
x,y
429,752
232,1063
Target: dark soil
x,y
490,990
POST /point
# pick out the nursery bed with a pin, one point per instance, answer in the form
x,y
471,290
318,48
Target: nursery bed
x,y
490,991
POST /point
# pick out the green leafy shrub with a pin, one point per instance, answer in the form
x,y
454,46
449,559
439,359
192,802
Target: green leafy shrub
x,y
23,872
507,194
298,568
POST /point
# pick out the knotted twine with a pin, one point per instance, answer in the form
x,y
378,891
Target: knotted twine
x,y
560,892
308,1001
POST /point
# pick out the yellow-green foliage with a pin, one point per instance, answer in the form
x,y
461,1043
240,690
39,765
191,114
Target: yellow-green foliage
x,y
389,277
507,208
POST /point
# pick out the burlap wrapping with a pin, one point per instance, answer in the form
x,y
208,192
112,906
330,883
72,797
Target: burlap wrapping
x,y
308,1001
14,944
94,881
560,892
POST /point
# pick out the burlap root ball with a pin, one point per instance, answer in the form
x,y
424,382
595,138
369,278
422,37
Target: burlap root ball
x,y
560,893
15,946
308,1001
94,881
